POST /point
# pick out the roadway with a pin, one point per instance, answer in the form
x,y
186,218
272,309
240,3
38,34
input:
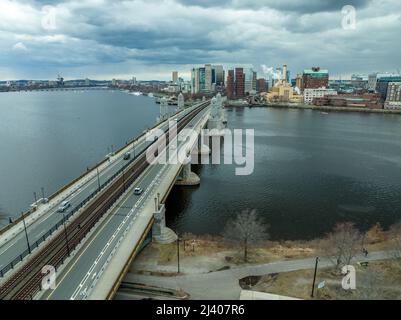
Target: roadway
x,y
80,274
16,245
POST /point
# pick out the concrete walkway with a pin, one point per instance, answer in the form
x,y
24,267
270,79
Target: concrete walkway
x,y
223,285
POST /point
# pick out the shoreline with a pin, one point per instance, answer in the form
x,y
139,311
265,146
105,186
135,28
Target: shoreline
x,y
318,108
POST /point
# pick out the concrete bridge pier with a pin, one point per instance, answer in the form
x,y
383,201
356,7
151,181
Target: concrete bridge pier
x,y
161,233
203,148
188,178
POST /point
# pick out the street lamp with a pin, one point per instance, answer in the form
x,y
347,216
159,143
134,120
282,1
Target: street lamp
x,y
314,276
98,178
26,233
178,253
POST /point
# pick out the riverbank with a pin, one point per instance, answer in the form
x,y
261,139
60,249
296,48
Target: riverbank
x,y
318,108
206,253
208,263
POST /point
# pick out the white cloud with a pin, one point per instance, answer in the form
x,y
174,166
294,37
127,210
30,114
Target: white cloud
x,y
19,46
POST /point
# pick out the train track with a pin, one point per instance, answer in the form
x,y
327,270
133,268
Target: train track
x,y
26,282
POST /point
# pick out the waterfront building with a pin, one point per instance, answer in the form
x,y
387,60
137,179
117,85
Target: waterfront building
x,y
366,100
239,82
310,94
315,78
393,99
282,91
382,81
261,85
230,84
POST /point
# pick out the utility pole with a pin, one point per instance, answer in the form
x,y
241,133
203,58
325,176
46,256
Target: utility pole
x,y
178,254
26,233
123,180
98,178
43,192
314,276
34,196
66,236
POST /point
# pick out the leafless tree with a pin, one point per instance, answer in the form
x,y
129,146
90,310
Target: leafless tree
x,y
343,243
246,228
395,242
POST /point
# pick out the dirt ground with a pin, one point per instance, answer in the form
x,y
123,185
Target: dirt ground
x,y
378,280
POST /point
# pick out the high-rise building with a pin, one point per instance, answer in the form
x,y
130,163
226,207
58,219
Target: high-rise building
x,y
175,76
254,78
382,81
195,87
248,77
219,75
393,99
230,84
208,77
239,82
315,78
261,85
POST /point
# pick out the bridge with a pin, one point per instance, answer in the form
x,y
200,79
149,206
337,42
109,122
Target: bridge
x,y
92,245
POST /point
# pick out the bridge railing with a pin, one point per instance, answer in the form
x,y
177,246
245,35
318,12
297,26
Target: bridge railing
x,y
65,187
20,257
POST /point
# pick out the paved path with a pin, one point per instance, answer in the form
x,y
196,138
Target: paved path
x,y
223,285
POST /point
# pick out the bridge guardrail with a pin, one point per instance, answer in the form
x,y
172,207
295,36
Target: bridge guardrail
x,y
55,194
36,244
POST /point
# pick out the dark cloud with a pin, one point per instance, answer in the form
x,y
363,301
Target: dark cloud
x,y
310,6
150,33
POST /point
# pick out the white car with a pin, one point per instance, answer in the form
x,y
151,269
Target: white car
x,y
64,206
138,191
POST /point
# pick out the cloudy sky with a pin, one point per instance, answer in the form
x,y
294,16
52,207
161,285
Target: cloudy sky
x,y
102,39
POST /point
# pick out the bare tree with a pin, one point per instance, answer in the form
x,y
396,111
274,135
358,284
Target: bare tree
x,y
343,243
395,243
247,229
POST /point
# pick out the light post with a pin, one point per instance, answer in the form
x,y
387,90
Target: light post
x,y
133,147
123,179
26,233
178,253
66,236
314,276
98,178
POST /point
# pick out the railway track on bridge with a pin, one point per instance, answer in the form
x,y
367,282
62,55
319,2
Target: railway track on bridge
x,y
26,282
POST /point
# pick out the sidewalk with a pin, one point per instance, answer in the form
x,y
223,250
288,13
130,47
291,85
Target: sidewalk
x,y
224,285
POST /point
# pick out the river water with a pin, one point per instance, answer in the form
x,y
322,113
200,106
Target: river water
x,y
311,169
49,138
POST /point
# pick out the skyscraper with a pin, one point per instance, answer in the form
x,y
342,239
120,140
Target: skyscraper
x,y
208,77
219,73
230,84
239,82
175,76
261,85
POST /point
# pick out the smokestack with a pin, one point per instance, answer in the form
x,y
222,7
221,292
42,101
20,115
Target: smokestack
x,y
284,77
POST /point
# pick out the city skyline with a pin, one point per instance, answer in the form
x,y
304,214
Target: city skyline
x,y
100,39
